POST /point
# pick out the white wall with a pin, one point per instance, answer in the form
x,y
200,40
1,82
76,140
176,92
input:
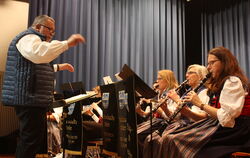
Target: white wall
x,y
13,20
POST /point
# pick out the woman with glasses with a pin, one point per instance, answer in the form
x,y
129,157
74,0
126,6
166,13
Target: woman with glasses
x,y
166,81
228,87
29,80
189,114
227,128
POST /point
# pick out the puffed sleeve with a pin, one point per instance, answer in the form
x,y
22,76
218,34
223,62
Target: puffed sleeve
x,y
232,99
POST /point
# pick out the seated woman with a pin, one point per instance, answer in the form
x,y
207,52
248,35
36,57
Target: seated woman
x,y
143,107
165,81
228,87
187,115
194,75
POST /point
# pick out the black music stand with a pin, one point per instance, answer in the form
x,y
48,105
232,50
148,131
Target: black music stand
x,y
116,105
142,88
119,121
72,90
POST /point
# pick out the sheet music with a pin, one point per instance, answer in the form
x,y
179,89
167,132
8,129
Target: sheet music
x,y
79,97
107,80
118,77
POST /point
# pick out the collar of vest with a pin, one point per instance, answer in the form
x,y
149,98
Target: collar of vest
x,y
38,33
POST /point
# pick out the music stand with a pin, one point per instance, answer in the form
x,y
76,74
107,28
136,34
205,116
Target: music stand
x,y
119,121
142,88
73,93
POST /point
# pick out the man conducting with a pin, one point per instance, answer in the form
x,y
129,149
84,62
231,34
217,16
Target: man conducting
x,y
29,80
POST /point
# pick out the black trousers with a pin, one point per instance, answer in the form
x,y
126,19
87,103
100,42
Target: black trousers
x,y
32,131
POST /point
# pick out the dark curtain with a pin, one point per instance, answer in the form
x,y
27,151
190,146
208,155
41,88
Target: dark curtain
x,y
227,23
148,35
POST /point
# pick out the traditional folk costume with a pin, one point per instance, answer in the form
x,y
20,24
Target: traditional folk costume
x,y
158,139
213,137
146,128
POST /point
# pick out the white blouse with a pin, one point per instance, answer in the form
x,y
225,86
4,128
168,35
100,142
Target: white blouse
x,y
231,100
204,98
172,106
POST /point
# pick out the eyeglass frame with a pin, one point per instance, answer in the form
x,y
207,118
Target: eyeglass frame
x,y
212,62
159,78
191,72
49,28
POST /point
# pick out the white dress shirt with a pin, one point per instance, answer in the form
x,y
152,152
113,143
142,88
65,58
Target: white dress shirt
x,y
37,51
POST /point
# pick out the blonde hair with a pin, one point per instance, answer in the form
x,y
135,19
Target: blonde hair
x,y
200,70
168,76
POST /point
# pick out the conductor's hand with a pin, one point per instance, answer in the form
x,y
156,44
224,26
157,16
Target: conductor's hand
x,y
66,66
75,39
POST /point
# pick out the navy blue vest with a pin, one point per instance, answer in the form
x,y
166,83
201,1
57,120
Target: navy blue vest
x,y
26,83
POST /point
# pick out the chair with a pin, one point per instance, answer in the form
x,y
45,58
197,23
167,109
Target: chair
x,y
94,148
240,154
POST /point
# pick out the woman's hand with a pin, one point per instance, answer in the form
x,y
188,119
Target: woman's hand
x,y
144,100
193,98
174,96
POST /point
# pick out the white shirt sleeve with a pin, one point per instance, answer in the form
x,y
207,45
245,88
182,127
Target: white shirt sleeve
x,y
231,100
97,108
55,67
57,113
37,51
204,98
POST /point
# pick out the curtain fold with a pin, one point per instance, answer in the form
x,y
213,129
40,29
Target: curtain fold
x,y
148,35
227,23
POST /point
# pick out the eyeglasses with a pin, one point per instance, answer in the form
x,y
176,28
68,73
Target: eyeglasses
x,y
212,62
159,78
49,28
190,72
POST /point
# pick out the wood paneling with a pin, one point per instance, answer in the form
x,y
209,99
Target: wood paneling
x,y
8,118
